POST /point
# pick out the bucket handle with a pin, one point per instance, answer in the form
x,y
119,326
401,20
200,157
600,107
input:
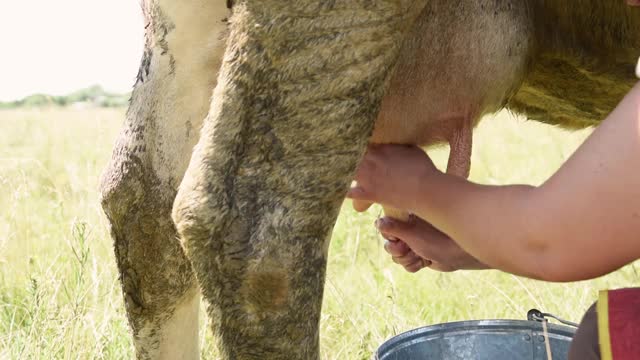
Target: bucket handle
x,y
537,315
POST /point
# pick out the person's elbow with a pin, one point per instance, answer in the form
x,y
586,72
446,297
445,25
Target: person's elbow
x,y
562,267
559,275
545,243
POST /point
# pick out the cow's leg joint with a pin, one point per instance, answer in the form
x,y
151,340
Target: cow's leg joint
x,y
160,292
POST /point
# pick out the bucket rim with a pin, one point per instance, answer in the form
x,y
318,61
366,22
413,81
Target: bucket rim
x,y
484,324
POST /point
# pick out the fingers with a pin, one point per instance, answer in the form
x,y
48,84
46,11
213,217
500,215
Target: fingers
x,y
375,165
401,253
426,242
411,262
361,205
361,199
436,249
417,234
357,193
417,266
396,247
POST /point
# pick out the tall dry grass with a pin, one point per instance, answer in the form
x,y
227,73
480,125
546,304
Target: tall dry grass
x,y
59,295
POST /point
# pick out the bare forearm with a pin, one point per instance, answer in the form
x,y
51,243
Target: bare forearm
x,y
489,222
596,193
580,224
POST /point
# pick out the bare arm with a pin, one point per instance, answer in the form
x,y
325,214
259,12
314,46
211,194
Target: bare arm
x,y
416,244
582,223
599,191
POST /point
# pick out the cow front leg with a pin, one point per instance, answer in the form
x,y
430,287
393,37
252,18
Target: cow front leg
x,y
299,89
160,291
184,46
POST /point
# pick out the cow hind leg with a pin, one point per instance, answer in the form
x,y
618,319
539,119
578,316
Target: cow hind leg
x,y
290,120
160,292
184,47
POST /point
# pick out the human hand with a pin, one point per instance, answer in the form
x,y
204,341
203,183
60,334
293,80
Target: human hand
x,y
391,175
416,244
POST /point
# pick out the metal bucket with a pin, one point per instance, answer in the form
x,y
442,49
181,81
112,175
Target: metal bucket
x,y
482,340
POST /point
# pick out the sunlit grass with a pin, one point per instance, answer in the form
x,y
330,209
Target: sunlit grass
x,y
59,294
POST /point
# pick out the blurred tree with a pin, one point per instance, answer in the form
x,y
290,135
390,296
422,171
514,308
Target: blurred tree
x,y
92,96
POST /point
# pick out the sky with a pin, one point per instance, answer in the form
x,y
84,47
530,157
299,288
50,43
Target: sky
x,y
58,46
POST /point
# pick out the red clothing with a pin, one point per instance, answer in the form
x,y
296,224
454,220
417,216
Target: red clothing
x,y
619,324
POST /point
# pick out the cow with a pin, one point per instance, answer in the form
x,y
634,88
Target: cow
x,y
248,119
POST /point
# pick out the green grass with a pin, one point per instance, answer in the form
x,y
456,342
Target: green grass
x,y
59,294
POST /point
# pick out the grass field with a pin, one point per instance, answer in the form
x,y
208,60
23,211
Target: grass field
x,y
59,294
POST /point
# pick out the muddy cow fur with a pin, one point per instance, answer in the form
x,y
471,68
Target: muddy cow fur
x,y
245,127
